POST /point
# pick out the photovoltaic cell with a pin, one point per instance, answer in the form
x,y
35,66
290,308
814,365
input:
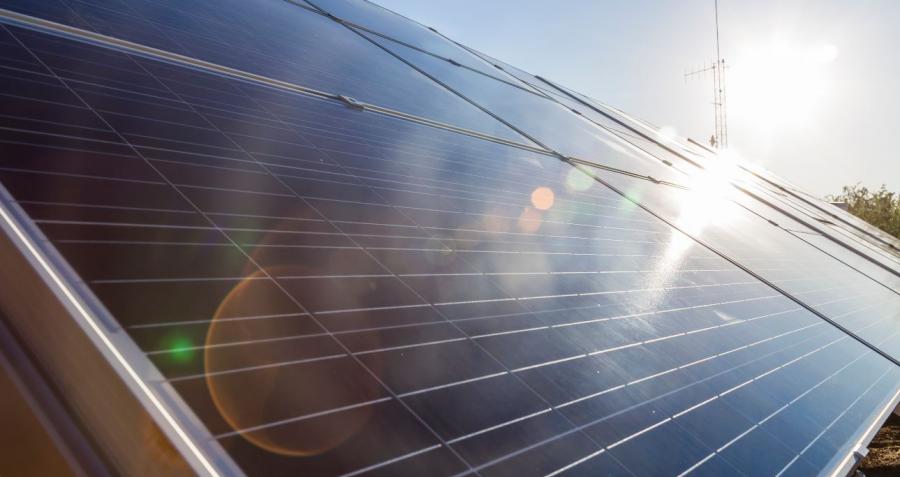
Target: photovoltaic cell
x,y
637,133
608,118
830,212
375,19
692,150
403,299
547,122
860,254
846,228
789,260
275,39
851,242
869,248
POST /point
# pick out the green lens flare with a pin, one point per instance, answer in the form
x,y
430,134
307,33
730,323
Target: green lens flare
x,y
181,349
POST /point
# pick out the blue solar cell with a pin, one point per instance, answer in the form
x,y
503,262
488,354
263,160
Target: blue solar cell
x,y
861,304
229,35
848,230
386,23
543,120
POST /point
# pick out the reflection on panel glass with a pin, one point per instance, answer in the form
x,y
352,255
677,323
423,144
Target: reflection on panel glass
x,y
830,212
624,126
664,135
335,292
859,254
854,235
847,229
735,225
543,120
276,39
385,23
853,240
871,246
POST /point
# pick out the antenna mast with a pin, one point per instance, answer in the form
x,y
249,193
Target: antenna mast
x,y
719,138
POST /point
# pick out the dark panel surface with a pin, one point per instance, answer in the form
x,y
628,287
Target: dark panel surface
x,y
276,39
544,120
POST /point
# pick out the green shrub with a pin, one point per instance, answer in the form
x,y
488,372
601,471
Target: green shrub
x,y
879,207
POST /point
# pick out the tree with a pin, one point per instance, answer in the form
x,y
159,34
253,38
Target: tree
x,y
879,207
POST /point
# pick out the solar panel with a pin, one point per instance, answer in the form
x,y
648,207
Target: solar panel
x,y
427,283
547,123
787,259
842,227
278,40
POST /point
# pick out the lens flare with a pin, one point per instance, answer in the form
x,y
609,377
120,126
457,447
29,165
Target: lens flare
x,y
530,220
180,349
249,400
542,198
578,181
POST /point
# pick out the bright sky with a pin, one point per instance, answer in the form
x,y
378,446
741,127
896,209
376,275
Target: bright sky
x,y
813,85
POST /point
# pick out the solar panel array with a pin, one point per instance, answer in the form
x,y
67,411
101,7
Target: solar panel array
x,y
351,246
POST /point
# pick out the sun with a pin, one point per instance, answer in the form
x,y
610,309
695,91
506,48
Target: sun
x,y
780,84
709,194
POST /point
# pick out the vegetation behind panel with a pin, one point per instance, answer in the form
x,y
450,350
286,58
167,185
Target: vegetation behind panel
x,y
877,207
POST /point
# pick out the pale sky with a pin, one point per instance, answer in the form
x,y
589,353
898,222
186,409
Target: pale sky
x,y
814,86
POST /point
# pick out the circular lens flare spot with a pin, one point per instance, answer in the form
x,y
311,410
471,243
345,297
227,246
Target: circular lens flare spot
x,y
542,198
180,349
249,400
578,181
530,220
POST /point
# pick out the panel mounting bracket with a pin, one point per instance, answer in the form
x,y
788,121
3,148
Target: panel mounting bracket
x,y
859,454
352,102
